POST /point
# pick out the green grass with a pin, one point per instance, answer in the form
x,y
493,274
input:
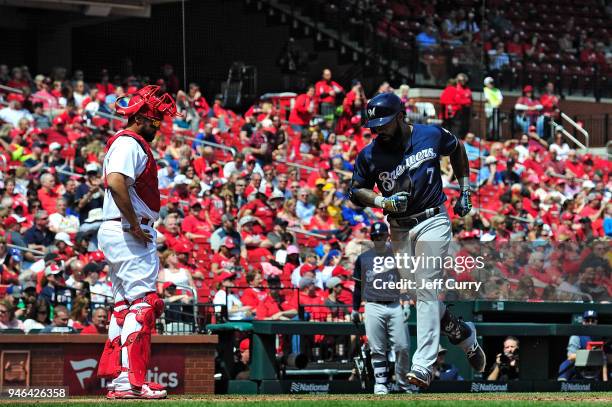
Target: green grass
x,y
420,400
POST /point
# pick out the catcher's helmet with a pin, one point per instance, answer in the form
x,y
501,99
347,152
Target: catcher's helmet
x,y
382,108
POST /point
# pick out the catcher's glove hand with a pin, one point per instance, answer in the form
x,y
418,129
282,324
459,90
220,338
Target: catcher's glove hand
x,y
464,203
396,203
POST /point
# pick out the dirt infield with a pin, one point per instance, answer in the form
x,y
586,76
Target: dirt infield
x,y
425,400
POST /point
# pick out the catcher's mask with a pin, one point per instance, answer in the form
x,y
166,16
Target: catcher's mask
x,y
145,102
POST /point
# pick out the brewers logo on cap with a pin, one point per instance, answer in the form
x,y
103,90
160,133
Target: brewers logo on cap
x,y
379,228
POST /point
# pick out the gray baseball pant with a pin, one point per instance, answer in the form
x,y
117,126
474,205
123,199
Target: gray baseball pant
x,y
431,238
386,330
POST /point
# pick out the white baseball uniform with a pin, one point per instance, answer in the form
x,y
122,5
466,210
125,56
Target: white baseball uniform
x,y
133,266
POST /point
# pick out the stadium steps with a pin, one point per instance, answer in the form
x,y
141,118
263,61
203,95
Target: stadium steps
x,y
325,34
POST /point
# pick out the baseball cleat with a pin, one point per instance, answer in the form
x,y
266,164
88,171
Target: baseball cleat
x,y
418,378
381,389
475,354
454,328
145,392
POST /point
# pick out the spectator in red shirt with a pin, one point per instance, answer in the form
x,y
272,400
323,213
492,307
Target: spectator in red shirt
x,y
195,227
224,260
549,101
105,86
255,184
303,109
515,46
260,208
449,103
43,94
309,299
321,221
214,205
527,109
352,104
47,194
18,79
99,320
326,92
197,100
260,300
463,100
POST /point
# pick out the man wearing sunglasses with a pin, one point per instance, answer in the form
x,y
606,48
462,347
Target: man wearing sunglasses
x,y
404,163
127,239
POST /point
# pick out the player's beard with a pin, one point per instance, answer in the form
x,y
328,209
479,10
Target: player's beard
x,y
391,142
149,134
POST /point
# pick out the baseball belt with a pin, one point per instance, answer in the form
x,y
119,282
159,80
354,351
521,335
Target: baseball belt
x,y
411,221
384,302
143,221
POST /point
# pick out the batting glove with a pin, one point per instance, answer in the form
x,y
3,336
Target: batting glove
x,y
396,203
464,203
355,316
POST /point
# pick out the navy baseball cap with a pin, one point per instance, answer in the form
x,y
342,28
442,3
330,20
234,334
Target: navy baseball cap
x,y
382,108
589,314
379,228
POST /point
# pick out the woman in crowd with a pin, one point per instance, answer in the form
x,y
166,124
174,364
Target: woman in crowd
x,y
288,213
172,272
7,316
79,316
37,317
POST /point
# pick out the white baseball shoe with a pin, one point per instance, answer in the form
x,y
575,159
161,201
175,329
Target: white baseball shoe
x,y
381,389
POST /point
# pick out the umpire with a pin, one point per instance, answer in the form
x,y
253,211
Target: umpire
x,y
385,316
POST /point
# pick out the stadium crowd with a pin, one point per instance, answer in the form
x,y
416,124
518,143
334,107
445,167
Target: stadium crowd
x,y
568,42
255,215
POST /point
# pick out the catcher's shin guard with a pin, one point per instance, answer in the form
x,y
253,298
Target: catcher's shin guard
x,y
110,361
141,322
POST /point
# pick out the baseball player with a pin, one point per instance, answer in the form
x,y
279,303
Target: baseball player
x,y
385,317
127,238
404,162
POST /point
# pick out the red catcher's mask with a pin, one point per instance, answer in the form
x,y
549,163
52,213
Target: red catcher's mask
x,y
146,103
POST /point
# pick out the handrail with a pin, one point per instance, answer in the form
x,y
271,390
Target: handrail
x,y
577,127
497,213
302,166
194,294
558,127
110,116
26,249
46,167
19,91
232,150
307,233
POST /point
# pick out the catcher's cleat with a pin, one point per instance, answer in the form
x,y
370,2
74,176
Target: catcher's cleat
x,y
147,392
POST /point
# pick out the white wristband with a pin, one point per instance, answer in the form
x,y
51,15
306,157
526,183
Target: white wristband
x,y
378,201
464,183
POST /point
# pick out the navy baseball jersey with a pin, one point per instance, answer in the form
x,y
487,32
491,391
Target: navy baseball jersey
x,y
372,274
415,170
